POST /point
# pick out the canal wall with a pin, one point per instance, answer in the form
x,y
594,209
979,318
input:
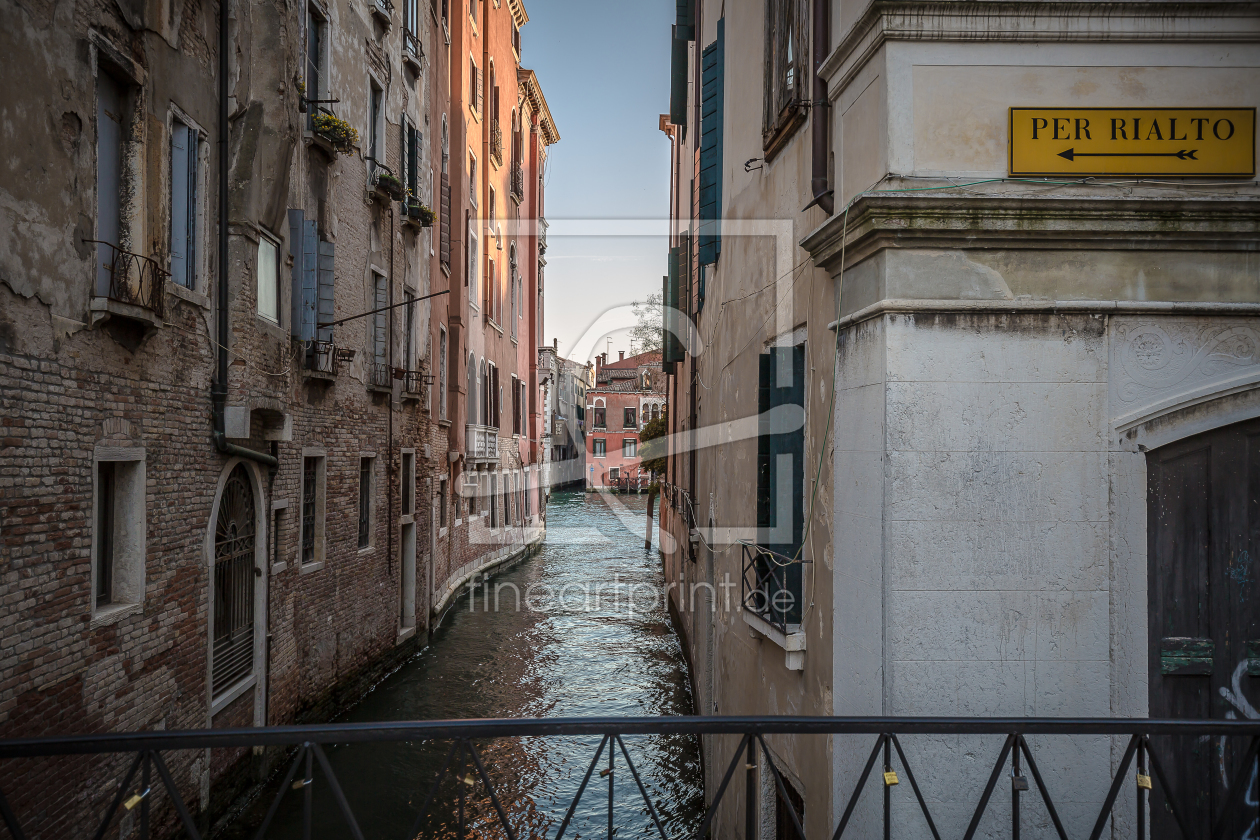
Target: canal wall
x,y
497,560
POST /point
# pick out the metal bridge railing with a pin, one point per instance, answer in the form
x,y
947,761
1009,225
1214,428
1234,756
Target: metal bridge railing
x,y
463,759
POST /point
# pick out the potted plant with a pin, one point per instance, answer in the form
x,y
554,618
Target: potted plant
x,y
389,183
336,131
418,212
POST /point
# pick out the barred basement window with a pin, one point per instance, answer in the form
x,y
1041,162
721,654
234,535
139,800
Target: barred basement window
x,y
234,534
365,502
308,510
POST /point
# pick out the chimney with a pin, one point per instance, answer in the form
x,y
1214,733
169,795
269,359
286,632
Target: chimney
x,y
555,345
597,359
622,354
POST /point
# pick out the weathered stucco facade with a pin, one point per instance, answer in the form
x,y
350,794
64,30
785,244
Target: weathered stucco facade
x,y
996,498
233,439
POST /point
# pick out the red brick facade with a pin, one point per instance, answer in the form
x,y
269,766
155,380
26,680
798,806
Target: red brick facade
x,y
628,394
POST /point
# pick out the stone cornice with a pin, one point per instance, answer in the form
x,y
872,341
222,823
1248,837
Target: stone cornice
x,y
1041,21
532,91
907,220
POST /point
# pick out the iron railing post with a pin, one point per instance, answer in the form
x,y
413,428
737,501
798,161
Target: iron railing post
x,y
750,791
1141,804
611,755
144,797
1015,792
307,795
887,788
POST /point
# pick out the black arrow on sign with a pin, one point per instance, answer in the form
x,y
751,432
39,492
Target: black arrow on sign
x,y
1184,154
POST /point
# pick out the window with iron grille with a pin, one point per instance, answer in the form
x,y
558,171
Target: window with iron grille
x,y
599,417
235,530
630,417
365,502
598,447
310,478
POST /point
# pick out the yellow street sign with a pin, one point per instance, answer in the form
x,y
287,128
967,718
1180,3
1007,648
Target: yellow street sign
x,y
1169,142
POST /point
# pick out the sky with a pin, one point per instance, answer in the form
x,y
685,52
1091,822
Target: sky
x,y
604,69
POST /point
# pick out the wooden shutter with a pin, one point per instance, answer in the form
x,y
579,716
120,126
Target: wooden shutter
x,y
667,364
304,246
480,92
772,445
324,306
446,221
685,280
678,79
672,350
686,15
179,203
711,115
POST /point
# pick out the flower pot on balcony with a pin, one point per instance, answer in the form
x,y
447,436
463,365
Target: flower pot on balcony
x,y
418,214
339,133
390,185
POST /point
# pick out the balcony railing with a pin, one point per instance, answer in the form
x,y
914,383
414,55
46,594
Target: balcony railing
x,y
518,182
496,142
413,50
938,747
321,357
383,9
381,375
770,587
542,236
134,279
481,443
414,382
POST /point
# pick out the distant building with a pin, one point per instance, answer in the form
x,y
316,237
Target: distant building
x,y
627,394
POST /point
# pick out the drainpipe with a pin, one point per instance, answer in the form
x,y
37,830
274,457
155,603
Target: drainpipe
x,y
219,390
824,196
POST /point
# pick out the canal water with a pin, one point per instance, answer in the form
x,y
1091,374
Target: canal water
x,y
578,652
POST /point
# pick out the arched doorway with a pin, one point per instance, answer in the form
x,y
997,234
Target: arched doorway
x,y
235,536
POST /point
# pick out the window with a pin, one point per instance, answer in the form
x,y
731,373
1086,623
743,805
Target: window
x,y
313,501
473,280
490,201
474,87
781,477
494,502
629,448
118,541
598,444
442,372
111,99
516,407
365,502
472,178
316,39
232,657
185,157
412,154
614,473
442,503
409,331
786,76
472,10
516,39
599,418
408,490
375,152
268,271
512,281
630,417
380,324
492,282
712,92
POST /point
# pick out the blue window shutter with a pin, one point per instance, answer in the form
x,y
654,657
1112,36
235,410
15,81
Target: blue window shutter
x,y
678,78
295,251
711,115
304,264
772,393
324,309
686,19
179,204
666,365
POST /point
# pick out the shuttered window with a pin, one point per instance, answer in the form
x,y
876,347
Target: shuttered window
x,y
678,79
781,472
185,144
712,86
671,347
304,249
446,221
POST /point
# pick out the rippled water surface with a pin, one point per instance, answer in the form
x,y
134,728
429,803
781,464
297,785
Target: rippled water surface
x,y
573,656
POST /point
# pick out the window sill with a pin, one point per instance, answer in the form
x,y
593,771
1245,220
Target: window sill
x,y
404,634
103,308
308,568
277,568
191,295
793,643
775,140
443,531
271,328
445,424
113,614
221,702
320,375
367,549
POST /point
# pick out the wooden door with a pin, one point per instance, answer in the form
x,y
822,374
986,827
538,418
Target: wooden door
x,y
1203,533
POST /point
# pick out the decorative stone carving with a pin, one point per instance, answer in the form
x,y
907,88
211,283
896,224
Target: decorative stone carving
x,y
1165,364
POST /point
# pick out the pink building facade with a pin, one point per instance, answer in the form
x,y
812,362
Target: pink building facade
x,y
628,394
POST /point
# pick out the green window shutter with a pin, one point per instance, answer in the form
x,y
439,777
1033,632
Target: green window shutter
x,y
711,115
686,20
684,274
678,79
666,365
672,349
